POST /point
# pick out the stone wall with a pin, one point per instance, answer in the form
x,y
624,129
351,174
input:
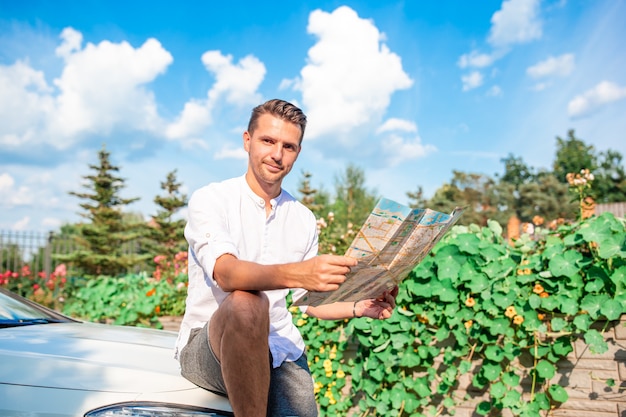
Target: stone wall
x,y
584,376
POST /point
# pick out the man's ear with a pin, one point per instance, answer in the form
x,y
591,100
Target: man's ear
x,y
246,141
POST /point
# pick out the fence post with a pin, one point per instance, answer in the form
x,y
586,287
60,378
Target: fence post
x,y
47,255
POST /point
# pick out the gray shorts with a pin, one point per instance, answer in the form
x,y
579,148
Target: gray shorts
x,y
291,385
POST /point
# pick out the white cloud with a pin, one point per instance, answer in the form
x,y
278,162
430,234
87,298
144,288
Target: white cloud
x,y
398,149
102,86
472,80
395,124
350,75
195,116
239,83
230,152
553,66
13,195
236,83
495,91
516,22
25,103
592,100
6,183
476,60
22,224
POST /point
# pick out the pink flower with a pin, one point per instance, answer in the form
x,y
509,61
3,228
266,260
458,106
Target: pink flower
x,y
60,270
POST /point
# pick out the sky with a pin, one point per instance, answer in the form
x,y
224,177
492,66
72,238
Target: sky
x,y
408,91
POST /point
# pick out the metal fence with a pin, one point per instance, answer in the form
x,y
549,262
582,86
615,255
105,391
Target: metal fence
x,y
35,249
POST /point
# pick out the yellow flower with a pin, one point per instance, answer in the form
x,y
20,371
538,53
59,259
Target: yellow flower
x,y
300,322
541,316
340,373
544,295
518,319
538,289
470,302
318,386
510,312
322,349
469,324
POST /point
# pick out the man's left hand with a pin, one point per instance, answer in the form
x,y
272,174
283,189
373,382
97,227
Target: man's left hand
x,y
378,308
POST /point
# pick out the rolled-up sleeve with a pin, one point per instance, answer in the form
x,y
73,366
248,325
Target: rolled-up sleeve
x,y
207,231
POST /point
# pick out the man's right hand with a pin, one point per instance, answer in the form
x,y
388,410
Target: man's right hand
x,y
321,273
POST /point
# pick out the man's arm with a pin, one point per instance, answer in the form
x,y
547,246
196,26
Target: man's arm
x,y
321,273
376,308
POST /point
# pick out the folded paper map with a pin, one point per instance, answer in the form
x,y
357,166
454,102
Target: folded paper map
x,y
391,242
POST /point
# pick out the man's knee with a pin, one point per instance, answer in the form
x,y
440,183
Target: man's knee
x,y
247,311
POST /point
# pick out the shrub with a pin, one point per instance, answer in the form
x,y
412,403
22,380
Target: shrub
x,y
502,315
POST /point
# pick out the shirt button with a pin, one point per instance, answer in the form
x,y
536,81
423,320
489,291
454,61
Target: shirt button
x,y
262,202
208,235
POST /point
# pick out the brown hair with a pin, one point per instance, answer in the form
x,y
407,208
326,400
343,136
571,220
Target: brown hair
x,y
281,109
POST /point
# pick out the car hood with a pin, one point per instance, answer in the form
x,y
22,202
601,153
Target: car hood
x,y
89,356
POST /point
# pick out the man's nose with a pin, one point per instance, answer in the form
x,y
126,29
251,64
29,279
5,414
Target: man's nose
x,y
277,152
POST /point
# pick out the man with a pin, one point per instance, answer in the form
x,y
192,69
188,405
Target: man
x,y
250,243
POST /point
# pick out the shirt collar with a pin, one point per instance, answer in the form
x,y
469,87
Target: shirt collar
x,y
259,201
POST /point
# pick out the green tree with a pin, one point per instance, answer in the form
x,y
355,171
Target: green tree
x,y
106,240
609,185
165,231
477,193
546,197
353,201
417,198
572,155
315,199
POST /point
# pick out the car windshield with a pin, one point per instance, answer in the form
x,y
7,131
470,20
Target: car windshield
x,y
18,311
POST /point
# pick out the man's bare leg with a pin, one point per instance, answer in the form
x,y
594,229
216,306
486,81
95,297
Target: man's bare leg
x,y
238,334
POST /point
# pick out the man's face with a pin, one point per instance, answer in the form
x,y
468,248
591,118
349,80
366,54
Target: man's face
x,y
272,149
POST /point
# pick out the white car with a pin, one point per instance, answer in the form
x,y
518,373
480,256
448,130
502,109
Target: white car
x,y
55,366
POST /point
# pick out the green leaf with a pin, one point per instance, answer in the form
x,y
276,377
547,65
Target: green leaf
x,y
504,300
381,347
511,399
495,227
511,379
421,387
483,408
499,326
410,359
558,324
494,353
611,309
542,401
582,322
562,346
558,393
478,283
468,243
596,342
619,276
491,371
446,291
564,264
497,390
545,369
593,303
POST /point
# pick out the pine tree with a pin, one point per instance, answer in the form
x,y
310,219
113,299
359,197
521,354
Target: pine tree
x,y
107,239
166,233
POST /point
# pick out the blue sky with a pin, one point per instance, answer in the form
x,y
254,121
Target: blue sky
x,y
406,90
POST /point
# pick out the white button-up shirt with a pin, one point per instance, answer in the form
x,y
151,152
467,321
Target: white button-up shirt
x,y
228,217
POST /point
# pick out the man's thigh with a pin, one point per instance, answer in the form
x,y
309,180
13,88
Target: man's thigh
x,y
291,390
199,364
